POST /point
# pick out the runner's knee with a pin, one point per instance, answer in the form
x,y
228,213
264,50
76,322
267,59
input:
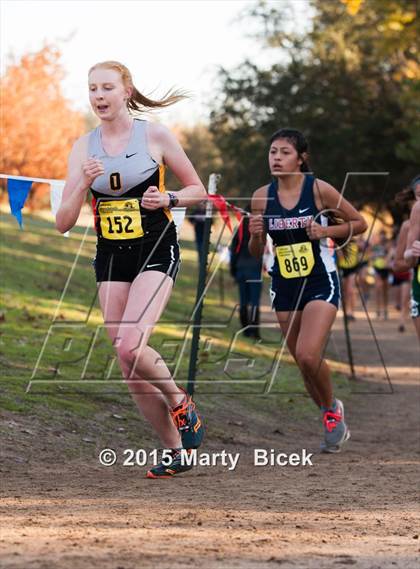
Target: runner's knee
x,y
308,361
129,352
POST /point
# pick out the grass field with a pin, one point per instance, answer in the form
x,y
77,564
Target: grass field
x,y
76,374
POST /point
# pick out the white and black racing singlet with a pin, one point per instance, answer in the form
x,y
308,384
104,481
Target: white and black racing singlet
x,y
119,218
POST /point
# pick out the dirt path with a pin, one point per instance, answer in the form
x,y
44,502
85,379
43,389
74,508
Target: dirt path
x,y
357,508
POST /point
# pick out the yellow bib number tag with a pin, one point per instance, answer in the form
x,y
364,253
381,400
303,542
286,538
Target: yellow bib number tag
x,y
295,260
418,274
380,263
120,219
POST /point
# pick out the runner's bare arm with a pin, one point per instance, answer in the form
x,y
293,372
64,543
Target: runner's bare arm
x,y
169,151
412,252
258,236
328,198
399,264
81,172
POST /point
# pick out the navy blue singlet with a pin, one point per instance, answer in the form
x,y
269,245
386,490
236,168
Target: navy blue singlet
x,y
303,270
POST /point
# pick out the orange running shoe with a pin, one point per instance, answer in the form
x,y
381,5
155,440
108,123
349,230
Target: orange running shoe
x,y
188,422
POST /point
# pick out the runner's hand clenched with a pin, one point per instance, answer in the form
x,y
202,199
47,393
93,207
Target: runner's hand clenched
x,y
316,231
256,226
415,248
154,199
92,168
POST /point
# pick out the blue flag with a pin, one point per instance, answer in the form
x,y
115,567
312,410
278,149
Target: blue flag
x,y
18,192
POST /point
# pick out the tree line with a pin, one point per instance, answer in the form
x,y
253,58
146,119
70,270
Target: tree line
x,y
350,82
348,78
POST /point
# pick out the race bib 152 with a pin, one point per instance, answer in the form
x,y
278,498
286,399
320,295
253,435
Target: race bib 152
x,y
120,219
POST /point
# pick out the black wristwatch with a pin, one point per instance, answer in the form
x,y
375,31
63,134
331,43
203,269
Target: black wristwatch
x,y
173,200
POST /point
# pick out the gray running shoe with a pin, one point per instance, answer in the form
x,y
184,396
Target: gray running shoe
x,y
336,431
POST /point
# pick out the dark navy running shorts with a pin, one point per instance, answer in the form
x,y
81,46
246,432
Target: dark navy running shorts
x,y
295,294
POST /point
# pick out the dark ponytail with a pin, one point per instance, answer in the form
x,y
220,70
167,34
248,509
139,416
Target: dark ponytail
x,y
408,194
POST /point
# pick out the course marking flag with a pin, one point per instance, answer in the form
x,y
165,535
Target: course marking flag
x,y
18,191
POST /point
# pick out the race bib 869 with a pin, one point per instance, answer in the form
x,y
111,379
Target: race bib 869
x,y
295,260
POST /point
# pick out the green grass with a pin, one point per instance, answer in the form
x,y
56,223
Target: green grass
x,y
36,329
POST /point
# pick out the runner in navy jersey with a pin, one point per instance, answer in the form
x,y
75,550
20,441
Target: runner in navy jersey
x,y
122,162
293,210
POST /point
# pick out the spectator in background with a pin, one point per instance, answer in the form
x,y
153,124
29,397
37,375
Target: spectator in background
x,y
380,255
246,270
362,279
348,264
401,283
197,218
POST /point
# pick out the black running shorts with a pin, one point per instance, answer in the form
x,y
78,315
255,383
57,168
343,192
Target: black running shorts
x,y
124,262
382,273
346,272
